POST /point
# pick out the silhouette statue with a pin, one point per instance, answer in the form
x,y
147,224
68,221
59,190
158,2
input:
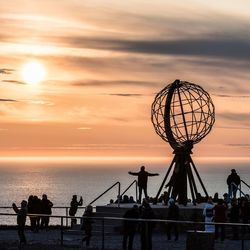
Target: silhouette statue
x,y
182,115
142,181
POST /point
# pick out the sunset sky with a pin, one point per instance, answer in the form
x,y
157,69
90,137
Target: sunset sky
x,y
103,63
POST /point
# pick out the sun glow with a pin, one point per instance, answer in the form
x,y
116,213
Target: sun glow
x,y
33,73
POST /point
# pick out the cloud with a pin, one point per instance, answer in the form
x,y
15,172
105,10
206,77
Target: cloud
x,y
6,71
14,81
232,96
218,47
113,83
242,145
126,95
7,100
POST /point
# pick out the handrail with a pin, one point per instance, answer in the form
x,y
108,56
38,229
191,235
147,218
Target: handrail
x,y
238,188
245,183
136,189
119,192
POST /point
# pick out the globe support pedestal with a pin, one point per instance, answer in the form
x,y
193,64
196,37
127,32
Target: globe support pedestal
x,y
182,175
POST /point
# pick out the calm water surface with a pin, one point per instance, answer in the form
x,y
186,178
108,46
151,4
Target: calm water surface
x,y
61,178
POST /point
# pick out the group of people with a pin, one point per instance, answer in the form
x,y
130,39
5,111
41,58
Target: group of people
x,y
36,207
144,211
237,211
216,210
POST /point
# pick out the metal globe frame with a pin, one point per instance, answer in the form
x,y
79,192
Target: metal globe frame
x,y
182,114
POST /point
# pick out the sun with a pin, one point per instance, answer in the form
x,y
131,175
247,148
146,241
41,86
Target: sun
x,y
33,73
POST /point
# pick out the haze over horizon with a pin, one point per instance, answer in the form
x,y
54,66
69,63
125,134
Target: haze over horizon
x,y
101,64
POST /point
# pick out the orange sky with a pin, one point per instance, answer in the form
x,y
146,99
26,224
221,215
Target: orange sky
x,y
104,63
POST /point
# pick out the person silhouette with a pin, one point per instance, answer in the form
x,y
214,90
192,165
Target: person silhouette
x,y
87,222
233,181
21,220
73,207
142,181
46,209
129,227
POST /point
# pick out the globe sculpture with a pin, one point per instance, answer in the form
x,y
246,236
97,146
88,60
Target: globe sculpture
x,y
182,114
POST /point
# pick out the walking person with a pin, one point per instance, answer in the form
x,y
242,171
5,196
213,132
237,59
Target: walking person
x,y
173,214
129,227
21,220
87,224
233,181
208,213
73,208
142,181
46,206
146,212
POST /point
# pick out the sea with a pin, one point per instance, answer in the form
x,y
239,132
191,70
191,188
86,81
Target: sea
x,y
62,177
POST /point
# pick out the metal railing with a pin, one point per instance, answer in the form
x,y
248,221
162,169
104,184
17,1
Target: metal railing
x,y
136,189
66,208
233,185
118,195
147,222
241,181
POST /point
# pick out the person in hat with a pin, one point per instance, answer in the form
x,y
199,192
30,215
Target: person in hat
x,y
233,181
21,220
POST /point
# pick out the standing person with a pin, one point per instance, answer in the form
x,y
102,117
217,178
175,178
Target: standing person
x,y
146,212
87,224
208,213
21,220
233,181
142,181
173,214
129,227
31,210
234,217
73,208
37,209
245,214
46,209
220,217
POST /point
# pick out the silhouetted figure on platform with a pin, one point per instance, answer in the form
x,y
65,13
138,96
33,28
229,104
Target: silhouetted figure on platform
x,y
173,214
31,210
234,217
220,217
233,181
37,209
129,227
208,213
46,206
21,220
73,208
142,181
146,212
245,214
87,224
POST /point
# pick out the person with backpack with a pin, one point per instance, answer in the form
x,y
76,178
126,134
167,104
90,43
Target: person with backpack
x,y
208,213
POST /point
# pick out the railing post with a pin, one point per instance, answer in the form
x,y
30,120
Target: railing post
x,y
61,231
103,234
119,193
136,191
67,214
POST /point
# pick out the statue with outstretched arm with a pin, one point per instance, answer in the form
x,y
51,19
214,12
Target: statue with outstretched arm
x,y
142,181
